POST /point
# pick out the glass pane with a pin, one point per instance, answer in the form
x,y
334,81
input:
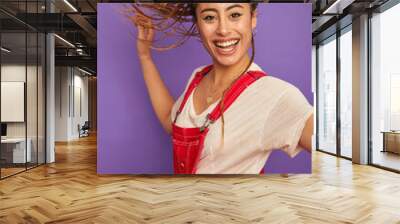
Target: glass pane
x,y
394,102
80,101
32,84
346,94
23,84
327,96
13,86
31,100
386,89
41,98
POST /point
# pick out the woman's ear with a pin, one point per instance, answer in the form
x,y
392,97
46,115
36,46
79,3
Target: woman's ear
x,y
254,20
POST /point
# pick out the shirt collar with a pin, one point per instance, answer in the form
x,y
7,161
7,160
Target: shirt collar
x,y
254,67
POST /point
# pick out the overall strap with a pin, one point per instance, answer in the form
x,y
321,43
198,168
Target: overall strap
x,y
237,88
195,81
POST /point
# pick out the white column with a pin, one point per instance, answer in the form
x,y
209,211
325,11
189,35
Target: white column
x,y
50,93
360,90
50,110
314,91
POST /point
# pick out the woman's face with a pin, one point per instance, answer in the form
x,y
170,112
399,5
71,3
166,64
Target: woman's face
x,y
226,30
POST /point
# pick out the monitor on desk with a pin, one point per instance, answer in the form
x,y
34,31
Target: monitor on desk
x,y
3,130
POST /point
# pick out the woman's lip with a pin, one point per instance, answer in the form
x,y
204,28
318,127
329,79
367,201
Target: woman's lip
x,y
227,51
225,40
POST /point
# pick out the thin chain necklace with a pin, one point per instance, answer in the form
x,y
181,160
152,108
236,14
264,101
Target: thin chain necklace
x,y
210,97
210,94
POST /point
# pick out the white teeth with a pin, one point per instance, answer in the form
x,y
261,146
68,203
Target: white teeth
x,y
227,43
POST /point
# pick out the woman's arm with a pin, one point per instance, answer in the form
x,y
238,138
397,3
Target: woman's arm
x,y
306,136
161,99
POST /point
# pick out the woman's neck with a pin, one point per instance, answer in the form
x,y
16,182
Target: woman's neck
x,y
224,75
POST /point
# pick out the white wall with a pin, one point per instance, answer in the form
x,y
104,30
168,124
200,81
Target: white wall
x,y
61,103
17,73
70,83
79,117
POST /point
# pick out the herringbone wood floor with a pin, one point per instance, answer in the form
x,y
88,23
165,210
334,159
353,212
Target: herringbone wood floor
x,y
70,191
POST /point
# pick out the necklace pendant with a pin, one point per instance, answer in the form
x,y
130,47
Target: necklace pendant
x,y
209,99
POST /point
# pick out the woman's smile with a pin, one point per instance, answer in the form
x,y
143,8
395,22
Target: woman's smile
x,y
226,47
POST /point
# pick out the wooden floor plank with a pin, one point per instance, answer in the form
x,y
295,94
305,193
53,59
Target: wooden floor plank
x,y
70,191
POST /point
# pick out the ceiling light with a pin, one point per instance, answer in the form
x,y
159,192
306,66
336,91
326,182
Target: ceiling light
x,y
338,6
84,71
5,50
65,41
70,5
79,51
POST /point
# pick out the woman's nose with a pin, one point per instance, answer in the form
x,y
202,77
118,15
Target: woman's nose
x,y
223,27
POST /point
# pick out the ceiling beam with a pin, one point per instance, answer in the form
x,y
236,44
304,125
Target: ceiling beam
x,y
84,24
83,61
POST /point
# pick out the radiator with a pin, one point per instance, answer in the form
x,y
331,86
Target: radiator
x,y
391,142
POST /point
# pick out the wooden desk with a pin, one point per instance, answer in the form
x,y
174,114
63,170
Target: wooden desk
x,y
391,141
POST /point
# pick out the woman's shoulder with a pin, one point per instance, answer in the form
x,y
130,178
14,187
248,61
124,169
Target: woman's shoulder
x,y
273,84
281,90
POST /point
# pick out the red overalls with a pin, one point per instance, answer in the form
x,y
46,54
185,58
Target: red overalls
x,y
188,143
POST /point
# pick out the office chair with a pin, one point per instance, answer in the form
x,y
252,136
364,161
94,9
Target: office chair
x,y
84,130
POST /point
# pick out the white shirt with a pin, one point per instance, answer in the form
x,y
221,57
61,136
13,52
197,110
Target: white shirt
x,y
270,114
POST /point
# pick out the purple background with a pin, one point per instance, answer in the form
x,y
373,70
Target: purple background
x,y
130,138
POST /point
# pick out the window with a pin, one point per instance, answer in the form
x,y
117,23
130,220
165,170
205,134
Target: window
x,y
346,74
327,95
395,102
385,88
22,78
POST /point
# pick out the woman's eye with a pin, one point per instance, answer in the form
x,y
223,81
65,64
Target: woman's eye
x,y
208,18
236,15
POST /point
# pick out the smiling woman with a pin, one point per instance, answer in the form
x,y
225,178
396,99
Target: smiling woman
x,y
231,114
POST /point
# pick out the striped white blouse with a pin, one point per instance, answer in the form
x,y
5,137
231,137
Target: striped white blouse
x,y
270,114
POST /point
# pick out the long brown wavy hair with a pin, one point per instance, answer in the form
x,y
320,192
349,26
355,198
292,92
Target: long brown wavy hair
x,y
178,19
169,19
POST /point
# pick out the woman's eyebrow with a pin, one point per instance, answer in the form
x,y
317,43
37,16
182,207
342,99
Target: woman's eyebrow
x,y
208,9
227,9
233,6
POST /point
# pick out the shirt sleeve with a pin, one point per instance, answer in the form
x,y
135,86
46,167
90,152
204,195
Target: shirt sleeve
x,y
285,123
175,108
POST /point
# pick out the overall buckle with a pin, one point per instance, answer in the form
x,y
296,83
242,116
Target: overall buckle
x,y
207,123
